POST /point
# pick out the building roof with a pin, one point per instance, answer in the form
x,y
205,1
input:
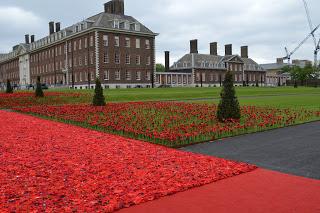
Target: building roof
x,y
273,66
103,20
278,66
208,61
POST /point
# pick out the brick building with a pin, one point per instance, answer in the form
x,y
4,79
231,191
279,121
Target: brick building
x,y
111,46
206,70
274,74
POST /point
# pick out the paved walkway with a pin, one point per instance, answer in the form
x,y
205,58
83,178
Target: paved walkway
x,y
293,150
259,191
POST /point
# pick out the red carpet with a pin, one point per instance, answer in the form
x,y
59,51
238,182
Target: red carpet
x,y
47,166
257,191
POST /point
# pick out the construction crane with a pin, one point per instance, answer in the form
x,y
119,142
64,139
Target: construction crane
x,y
289,54
315,41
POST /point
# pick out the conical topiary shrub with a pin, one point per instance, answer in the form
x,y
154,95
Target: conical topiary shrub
x,y
39,92
98,98
9,87
228,107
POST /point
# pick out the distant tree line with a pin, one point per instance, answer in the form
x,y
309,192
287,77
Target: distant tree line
x,y
302,75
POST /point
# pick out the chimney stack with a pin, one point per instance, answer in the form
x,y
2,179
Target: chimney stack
x,y
27,41
32,38
244,52
228,49
167,60
114,7
51,27
214,48
279,60
194,46
58,27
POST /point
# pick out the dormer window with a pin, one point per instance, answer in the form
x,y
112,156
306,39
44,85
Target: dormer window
x,y
126,25
137,27
116,24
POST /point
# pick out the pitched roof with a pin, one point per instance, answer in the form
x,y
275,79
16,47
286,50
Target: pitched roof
x,y
106,20
213,62
273,66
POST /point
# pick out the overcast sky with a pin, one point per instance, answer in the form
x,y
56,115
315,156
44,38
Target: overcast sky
x,y
266,26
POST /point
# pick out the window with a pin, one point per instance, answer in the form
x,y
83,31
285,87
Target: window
x,y
148,76
211,77
137,43
198,76
127,42
117,58
91,57
91,41
85,43
147,44
74,45
138,60
80,76
203,77
105,40
106,75
116,24
148,60
116,41
128,75
117,75
80,61
106,57
80,44
138,75
75,62
85,60
127,59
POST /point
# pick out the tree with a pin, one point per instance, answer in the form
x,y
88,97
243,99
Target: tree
x,y
9,87
39,92
300,74
98,98
160,68
228,107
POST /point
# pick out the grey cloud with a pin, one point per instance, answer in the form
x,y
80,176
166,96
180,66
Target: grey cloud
x,y
267,26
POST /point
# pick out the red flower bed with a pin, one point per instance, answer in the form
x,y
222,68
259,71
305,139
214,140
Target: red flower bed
x,y
24,99
53,167
170,123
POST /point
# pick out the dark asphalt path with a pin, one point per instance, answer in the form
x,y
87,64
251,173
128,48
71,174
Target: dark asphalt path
x,y
293,150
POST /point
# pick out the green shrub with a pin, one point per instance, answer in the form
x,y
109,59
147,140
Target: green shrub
x,y
9,87
228,107
98,98
39,92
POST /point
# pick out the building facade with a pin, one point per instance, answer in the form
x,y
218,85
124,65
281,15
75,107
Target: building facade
x,y
111,46
274,74
206,70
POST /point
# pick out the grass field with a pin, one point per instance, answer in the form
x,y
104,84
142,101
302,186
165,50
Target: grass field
x,y
263,96
170,123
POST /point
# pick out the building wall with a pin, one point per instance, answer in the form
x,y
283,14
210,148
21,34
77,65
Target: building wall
x,y
274,78
216,77
131,72
10,70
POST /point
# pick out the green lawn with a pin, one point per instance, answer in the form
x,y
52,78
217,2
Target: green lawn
x,y
245,94
307,101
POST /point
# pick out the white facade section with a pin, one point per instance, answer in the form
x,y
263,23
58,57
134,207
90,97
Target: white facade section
x,y
24,70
